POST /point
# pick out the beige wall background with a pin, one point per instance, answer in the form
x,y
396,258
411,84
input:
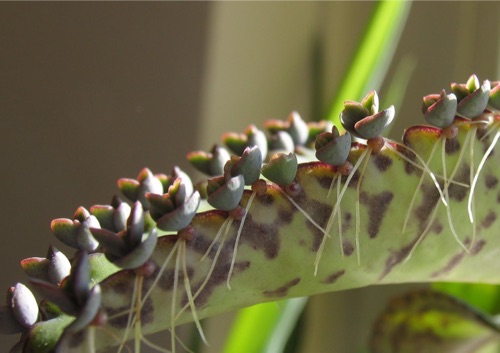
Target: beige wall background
x,y
90,92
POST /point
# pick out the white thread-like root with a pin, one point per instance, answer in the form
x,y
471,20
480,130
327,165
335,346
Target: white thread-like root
x,y
189,293
491,129
154,346
113,335
160,273
226,225
478,172
164,350
331,186
138,308
237,241
326,232
425,168
339,220
183,345
414,197
130,319
447,196
174,299
334,212
423,234
471,178
358,214
434,211
223,230
301,210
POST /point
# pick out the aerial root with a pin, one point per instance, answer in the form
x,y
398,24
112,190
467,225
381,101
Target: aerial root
x,y
154,346
138,308
339,219
423,234
238,234
131,318
424,167
337,179
479,168
358,214
334,212
187,286
469,138
471,178
183,345
113,335
491,129
223,230
301,210
160,273
331,185
164,350
174,300
419,185
446,184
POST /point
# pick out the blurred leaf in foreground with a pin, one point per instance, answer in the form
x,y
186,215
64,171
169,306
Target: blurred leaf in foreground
x,y
482,296
433,322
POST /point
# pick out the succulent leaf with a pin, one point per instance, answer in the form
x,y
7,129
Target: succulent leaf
x,y
139,254
211,163
88,312
65,230
112,217
439,110
281,141
352,113
114,245
135,226
180,217
24,305
315,129
494,100
363,119
55,295
331,148
235,142
135,190
129,188
84,237
281,168
58,265
36,267
472,97
371,102
225,194
297,128
474,104
248,165
78,281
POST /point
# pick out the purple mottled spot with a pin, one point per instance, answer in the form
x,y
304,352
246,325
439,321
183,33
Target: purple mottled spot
x,y
334,277
283,290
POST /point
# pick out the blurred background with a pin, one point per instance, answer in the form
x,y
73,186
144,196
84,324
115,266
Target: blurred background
x,y
91,92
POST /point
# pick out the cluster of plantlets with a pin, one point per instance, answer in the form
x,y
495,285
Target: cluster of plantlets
x,y
262,224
